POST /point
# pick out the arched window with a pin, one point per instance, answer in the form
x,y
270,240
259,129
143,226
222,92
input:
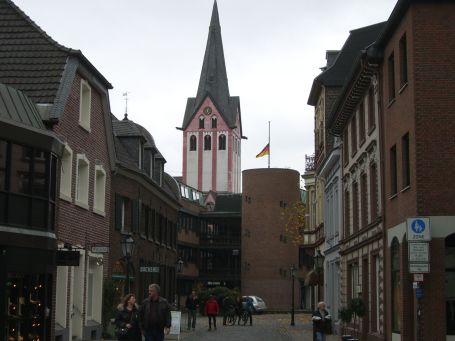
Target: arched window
x,y
201,122
222,142
396,286
214,122
193,143
207,142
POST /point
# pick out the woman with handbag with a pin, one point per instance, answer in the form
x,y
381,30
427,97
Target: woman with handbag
x,y
127,321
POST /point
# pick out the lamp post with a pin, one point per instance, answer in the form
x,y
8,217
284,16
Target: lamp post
x,y
319,265
128,245
179,271
293,269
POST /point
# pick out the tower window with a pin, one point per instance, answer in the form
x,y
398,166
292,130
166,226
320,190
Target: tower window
x,y
193,143
201,122
214,122
222,142
207,142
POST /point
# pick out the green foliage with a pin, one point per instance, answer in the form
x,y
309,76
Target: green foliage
x,y
345,315
219,292
357,306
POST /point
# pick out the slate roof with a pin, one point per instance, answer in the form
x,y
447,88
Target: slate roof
x,y
17,107
337,74
228,202
30,60
213,81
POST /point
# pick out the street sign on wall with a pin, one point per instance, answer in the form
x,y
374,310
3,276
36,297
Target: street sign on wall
x,y
420,268
419,252
154,269
100,249
418,229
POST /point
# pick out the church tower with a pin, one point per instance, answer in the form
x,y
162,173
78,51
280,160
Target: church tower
x,y
212,126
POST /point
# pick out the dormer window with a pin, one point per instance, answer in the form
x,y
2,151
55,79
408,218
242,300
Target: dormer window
x,y
193,143
214,122
151,164
85,105
140,155
201,122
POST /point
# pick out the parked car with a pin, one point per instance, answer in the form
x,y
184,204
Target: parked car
x,y
258,303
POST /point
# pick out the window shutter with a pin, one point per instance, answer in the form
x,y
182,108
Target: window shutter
x,y
135,217
118,212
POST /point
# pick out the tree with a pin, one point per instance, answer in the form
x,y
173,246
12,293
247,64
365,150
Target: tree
x,y
358,308
294,226
345,316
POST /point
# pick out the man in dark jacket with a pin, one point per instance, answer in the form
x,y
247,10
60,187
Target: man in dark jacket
x,y
321,321
192,304
155,315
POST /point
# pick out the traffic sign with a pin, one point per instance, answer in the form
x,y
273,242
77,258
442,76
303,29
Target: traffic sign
x,y
418,229
419,293
419,268
418,277
419,252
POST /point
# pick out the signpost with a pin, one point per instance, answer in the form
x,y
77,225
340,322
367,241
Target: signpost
x,y
419,252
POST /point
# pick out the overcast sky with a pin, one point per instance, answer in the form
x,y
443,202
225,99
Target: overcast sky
x,y
154,49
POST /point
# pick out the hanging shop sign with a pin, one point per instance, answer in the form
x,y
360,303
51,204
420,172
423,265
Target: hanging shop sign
x,y
67,258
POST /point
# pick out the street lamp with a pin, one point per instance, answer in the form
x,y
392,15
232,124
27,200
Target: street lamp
x,y
318,260
180,266
128,244
179,271
293,270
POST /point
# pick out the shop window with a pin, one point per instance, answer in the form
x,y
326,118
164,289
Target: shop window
x,y
450,284
222,142
82,180
396,286
99,200
29,304
85,105
193,143
66,172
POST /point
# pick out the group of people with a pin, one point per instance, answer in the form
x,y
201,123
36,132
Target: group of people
x,y
212,309
151,319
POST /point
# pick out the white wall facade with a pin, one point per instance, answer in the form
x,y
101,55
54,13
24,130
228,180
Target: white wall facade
x,y
222,166
192,161
207,165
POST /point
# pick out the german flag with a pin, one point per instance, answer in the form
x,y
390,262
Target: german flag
x,y
264,152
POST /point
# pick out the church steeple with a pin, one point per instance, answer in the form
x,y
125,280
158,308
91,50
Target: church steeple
x,y
214,81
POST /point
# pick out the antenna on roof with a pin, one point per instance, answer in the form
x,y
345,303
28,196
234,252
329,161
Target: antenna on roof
x,y
125,94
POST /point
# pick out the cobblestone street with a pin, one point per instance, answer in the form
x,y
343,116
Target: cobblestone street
x,y
271,327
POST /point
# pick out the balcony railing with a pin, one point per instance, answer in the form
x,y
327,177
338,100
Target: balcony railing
x,y
309,163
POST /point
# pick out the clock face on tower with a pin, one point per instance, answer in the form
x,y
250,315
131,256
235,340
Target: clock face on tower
x,y
207,110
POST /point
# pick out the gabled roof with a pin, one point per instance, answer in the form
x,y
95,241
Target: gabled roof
x,y
213,81
336,75
30,60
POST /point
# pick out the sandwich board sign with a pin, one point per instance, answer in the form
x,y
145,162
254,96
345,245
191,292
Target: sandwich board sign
x,y
418,229
176,317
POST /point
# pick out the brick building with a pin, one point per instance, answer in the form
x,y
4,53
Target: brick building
x,y
72,97
145,207
418,121
265,196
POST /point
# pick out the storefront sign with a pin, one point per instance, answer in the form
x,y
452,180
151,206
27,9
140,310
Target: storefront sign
x,y
154,269
419,268
100,249
176,317
418,229
67,258
419,252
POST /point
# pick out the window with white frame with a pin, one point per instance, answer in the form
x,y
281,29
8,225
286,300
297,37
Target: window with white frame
x,y
66,172
100,189
82,180
85,105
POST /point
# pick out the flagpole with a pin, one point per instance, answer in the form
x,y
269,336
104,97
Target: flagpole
x,y
269,145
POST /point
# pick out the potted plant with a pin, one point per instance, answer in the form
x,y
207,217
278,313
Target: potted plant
x,y
345,316
358,309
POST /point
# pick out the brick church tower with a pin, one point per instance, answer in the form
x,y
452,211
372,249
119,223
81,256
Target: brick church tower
x,y
212,126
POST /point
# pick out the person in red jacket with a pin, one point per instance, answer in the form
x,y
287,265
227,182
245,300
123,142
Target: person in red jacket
x,y
211,310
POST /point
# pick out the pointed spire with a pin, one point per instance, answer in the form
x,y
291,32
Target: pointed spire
x,y
213,79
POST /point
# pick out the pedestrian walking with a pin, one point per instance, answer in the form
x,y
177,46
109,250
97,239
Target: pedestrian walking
x,y
321,321
155,315
192,304
127,320
249,309
212,309
238,308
